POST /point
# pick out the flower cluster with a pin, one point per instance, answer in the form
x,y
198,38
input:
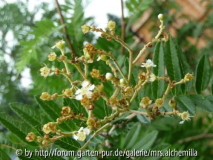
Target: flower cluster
x,y
91,87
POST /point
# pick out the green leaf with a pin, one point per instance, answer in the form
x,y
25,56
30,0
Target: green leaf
x,y
27,113
17,128
68,144
101,109
146,141
202,102
158,59
172,62
4,155
132,136
126,66
185,104
203,73
40,34
185,68
135,72
212,89
53,111
75,105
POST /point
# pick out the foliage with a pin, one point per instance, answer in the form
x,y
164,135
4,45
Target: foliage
x,y
143,131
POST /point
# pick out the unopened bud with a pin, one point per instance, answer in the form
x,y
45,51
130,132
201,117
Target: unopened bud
x,y
160,17
109,76
172,103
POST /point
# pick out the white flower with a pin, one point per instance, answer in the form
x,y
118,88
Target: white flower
x,y
45,71
148,64
59,45
82,134
184,116
85,90
109,76
152,77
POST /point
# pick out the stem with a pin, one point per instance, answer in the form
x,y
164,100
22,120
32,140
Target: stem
x,y
137,90
66,133
86,69
144,49
156,39
67,76
118,67
112,116
200,136
116,93
116,38
77,66
130,56
65,31
138,112
98,131
167,91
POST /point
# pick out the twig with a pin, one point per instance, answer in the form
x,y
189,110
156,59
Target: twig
x,y
122,26
200,136
96,133
65,31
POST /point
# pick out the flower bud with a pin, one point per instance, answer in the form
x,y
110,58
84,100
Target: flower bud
x,y
39,139
49,127
30,137
160,17
188,77
123,81
145,102
102,57
91,122
85,28
52,56
99,88
66,110
111,25
59,45
95,73
159,102
45,96
109,76
68,92
172,103
45,71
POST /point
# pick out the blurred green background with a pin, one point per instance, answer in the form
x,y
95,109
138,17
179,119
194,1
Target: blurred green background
x,y
27,34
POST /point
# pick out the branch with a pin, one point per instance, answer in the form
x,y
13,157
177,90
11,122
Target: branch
x,y
122,26
65,31
200,136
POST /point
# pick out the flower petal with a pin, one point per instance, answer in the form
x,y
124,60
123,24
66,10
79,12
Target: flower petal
x,y
89,94
75,137
87,131
181,122
91,87
78,91
85,83
79,97
81,129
